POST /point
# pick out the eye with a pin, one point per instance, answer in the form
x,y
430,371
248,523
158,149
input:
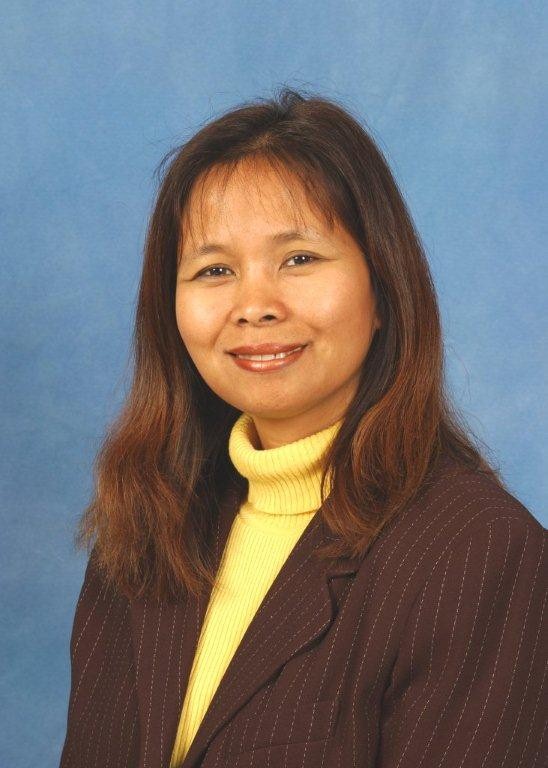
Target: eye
x,y
303,256
204,272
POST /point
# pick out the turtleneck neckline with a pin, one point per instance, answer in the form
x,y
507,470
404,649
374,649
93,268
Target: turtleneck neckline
x,y
283,480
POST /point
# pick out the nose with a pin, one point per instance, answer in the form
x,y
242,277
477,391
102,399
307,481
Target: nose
x,y
258,301
254,314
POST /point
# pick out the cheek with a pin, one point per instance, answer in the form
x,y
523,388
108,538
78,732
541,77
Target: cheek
x,y
196,321
183,321
348,307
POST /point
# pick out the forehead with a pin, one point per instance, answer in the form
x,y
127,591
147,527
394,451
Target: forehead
x,y
225,197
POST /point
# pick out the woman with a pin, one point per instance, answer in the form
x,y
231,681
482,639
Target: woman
x,y
301,559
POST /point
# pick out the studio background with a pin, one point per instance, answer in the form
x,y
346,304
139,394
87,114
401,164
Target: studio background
x,y
94,94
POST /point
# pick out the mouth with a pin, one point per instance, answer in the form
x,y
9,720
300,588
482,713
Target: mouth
x,y
271,363
270,356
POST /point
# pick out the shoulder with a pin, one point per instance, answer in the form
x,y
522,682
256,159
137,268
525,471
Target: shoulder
x,y
98,609
483,525
459,511
457,501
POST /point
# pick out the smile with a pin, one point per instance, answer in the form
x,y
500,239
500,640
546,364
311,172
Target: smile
x,y
269,357
264,363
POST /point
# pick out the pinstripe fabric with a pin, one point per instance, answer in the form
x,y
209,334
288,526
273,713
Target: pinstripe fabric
x,y
430,651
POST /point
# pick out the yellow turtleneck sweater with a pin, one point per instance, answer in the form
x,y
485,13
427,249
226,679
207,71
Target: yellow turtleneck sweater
x,y
283,496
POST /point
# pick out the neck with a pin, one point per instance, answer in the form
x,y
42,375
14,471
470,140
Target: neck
x,y
285,479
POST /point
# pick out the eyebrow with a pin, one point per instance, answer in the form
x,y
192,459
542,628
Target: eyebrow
x,y
278,238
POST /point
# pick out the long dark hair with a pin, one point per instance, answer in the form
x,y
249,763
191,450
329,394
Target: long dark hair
x,y
163,469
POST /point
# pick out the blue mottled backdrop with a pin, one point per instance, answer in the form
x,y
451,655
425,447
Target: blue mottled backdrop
x,y
94,94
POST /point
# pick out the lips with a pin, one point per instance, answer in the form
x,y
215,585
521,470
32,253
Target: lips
x,y
264,349
269,363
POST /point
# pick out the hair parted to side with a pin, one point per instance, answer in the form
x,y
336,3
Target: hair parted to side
x,y
163,469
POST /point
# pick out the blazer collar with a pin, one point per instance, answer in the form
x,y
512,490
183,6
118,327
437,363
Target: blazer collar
x,y
299,606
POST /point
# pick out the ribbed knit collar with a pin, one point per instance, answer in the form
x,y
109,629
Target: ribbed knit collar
x,y
283,480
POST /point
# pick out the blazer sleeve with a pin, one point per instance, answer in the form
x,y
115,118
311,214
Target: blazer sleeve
x,y
469,687
102,711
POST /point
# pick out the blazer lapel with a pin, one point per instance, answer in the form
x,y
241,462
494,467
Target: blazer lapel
x,y
298,608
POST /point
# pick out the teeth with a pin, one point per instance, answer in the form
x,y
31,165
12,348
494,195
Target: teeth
x,y
269,357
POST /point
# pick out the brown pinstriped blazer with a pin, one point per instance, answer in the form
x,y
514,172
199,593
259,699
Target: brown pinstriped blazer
x,y
431,651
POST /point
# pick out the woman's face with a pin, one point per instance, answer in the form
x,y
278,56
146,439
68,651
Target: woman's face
x,y
264,289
